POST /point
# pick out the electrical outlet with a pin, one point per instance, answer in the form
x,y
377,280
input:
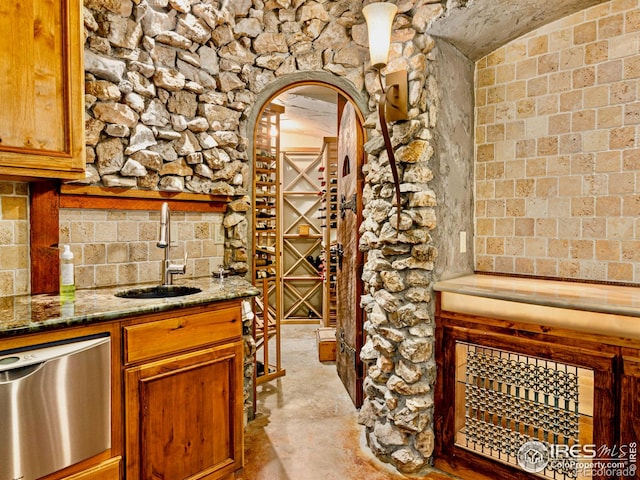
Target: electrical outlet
x,y
463,242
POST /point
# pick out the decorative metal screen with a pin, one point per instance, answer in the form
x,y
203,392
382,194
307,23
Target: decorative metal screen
x,y
505,399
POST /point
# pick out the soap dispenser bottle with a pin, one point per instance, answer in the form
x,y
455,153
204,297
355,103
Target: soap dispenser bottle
x,y
67,277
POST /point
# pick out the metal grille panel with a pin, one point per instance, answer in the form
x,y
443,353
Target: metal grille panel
x,y
504,399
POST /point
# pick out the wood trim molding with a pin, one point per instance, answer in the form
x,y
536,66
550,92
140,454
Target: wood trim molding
x,y
44,218
115,198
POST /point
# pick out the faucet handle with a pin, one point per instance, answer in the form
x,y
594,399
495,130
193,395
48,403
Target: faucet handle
x,y
183,267
176,268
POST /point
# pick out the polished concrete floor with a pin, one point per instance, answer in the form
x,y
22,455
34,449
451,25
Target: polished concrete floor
x,y
306,426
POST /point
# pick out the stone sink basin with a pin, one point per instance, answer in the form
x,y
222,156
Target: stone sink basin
x,y
158,291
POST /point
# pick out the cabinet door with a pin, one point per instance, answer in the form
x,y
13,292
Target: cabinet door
x,y
41,92
184,415
498,391
630,406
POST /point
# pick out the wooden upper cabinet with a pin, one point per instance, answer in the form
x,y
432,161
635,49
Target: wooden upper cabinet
x,y
41,89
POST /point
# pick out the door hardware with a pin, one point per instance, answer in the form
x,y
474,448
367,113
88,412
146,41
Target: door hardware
x,y
339,252
345,347
347,204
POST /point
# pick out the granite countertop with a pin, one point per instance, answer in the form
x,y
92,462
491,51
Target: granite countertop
x,y
591,297
34,313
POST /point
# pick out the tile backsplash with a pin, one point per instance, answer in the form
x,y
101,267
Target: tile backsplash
x,y
119,247
14,238
110,247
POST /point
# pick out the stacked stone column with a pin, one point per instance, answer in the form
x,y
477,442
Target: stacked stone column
x,y
398,351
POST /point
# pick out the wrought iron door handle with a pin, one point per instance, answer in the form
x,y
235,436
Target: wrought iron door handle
x,y
344,347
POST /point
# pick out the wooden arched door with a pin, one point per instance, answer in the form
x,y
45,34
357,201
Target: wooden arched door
x,y
349,316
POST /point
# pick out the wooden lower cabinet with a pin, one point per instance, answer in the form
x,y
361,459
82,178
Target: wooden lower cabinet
x,y
630,405
499,382
177,394
105,465
184,412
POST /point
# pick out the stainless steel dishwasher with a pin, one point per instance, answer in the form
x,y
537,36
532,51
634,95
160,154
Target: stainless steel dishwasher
x,y
55,406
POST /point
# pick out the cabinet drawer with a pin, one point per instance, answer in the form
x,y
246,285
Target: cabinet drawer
x,y
182,332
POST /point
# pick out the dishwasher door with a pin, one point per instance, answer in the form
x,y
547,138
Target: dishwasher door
x,y
55,406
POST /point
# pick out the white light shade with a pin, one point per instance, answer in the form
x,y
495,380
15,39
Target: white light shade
x,y
379,17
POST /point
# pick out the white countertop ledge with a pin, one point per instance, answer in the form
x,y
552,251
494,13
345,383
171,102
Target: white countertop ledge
x,y
610,310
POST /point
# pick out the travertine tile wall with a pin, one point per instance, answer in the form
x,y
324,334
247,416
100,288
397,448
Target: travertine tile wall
x,y
14,238
119,247
557,150
110,247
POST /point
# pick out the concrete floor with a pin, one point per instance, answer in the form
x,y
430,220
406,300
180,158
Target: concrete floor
x,y
306,426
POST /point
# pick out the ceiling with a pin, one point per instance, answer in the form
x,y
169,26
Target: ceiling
x,y
478,27
309,110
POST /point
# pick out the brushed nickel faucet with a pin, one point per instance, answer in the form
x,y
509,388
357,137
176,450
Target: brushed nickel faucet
x,y
168,268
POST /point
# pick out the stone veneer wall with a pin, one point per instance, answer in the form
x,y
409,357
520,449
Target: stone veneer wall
x,y
558,155
170,87
14,238
118,247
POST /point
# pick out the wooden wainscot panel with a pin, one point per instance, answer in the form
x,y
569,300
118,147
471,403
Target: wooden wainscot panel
x,y
182,330
561,325
543,333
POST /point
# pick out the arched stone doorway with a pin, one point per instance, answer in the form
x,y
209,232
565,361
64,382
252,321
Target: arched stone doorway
x,y
297,164
286,82
340,85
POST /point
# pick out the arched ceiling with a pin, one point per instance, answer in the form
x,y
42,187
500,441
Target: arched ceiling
x,y
478,27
